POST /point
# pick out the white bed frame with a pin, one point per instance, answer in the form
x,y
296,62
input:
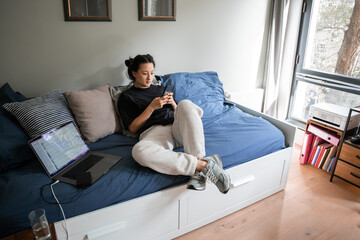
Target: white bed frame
x,y
175,211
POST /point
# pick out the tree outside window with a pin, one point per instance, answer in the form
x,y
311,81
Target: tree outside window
x,y
332,47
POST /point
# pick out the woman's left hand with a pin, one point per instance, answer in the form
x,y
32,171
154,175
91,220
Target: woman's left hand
x,y
170,100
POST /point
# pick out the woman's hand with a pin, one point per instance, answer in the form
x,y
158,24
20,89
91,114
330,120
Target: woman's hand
x,y
138,122
170,100
158,103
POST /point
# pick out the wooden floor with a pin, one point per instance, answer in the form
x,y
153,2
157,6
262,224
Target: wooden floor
x,y
310,207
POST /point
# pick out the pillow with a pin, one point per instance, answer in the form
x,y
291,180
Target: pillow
x,y
203,88
14,149
94,112
41,114
8,95
115,93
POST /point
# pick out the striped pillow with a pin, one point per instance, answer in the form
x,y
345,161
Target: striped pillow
x,y
41,114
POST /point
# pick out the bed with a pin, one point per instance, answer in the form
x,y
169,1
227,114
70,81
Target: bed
x,y
134,202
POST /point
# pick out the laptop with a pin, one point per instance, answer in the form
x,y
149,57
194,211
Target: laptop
x,y
65,156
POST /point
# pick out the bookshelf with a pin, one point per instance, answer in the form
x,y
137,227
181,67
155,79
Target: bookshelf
x,y
325,153
347,165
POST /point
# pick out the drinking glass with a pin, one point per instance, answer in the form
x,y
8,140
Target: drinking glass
x,y
39,224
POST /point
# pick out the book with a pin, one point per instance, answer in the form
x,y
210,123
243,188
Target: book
x,y
332,165
312,152
331,154
327,160
316,141
332,160
317,160
323,146
326,153
306,147
328,165
321,154
317,151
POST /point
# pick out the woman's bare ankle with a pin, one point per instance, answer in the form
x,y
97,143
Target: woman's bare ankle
x,y
201,164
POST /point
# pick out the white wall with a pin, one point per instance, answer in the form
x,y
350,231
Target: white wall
x,y
39,51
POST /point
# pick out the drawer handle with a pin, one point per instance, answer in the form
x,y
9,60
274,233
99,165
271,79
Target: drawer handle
x,y
355,175
358,157
101,231
242,181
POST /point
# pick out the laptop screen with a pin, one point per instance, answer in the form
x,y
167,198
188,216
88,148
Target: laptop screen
x,y
59,147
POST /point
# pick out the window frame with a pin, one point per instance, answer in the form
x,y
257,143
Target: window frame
x,y
329,80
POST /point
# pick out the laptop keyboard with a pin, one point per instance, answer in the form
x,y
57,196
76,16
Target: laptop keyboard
x,y
86,164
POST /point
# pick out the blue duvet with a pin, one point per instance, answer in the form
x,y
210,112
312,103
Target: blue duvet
x,y
236,136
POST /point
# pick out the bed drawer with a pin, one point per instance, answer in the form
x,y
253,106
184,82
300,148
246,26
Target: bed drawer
x,y
149,216
348,172
251,180
350,154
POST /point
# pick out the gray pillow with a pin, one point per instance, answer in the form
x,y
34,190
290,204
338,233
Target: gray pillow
x,y
41,114
115,94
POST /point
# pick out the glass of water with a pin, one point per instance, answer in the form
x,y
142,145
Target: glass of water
x,y
39,224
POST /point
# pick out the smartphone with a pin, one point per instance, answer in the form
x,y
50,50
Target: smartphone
x,y
168,89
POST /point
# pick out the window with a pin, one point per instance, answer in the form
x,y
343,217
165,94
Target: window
x,y
328,60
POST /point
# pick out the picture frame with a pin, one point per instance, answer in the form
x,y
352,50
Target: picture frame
x,y
157,10
87,10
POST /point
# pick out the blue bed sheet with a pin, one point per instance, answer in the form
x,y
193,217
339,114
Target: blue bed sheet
x,y
236,136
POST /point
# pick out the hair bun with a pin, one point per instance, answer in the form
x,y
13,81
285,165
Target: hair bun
x,y
129,62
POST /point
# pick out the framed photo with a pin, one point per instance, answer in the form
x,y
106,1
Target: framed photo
x,y
87,10
156,10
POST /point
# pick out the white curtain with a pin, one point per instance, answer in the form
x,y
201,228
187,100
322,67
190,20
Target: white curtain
x,y
282,42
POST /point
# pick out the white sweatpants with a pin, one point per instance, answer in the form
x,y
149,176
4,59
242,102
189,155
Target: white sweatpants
x,y
155,148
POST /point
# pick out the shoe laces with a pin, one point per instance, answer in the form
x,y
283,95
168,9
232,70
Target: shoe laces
x,y
211,176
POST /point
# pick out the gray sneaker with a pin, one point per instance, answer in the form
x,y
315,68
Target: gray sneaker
x,y
198,181
216,174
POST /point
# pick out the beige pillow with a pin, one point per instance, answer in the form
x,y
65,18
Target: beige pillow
x,y
94,112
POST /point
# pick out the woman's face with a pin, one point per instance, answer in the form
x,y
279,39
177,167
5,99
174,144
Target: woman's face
x,y
144,75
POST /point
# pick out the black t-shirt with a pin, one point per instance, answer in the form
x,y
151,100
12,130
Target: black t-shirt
x,y
134,101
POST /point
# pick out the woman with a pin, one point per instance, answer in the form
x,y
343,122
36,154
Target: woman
x,y
164,125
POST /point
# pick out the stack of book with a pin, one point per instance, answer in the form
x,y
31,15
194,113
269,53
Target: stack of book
x,y
319,148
